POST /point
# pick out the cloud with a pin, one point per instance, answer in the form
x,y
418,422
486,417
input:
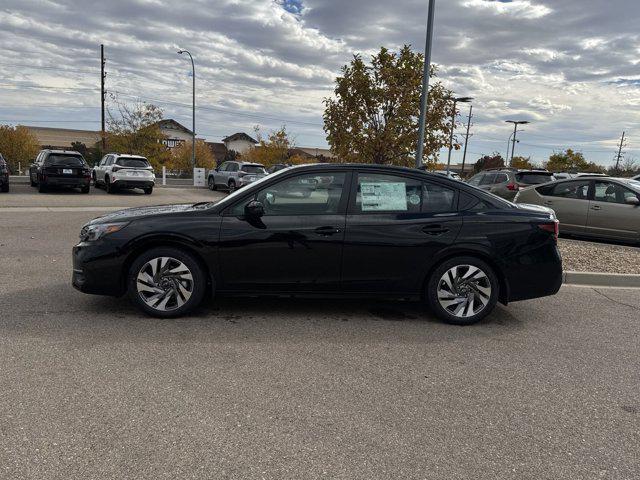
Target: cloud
x,y
570,65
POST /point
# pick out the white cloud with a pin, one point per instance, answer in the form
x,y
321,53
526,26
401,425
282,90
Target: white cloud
x,y
520,8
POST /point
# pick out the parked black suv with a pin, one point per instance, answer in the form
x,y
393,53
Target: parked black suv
x,y
60,168
363,230
4,175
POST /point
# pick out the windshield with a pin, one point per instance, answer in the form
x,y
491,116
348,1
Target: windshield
x,y
253,169
129,162
64,160
533,178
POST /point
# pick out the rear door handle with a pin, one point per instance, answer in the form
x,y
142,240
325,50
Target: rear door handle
x,y
596,207
547,202
327,231
435,229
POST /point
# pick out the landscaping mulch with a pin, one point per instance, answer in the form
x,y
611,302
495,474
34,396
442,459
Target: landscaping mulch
x,y
587,256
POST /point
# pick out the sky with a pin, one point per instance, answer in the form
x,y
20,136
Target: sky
x,y
570,67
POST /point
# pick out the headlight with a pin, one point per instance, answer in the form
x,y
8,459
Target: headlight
x,y
91,233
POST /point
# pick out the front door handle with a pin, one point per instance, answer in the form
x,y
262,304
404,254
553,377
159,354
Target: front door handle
x,y
596,207
547,203
434,229
327,231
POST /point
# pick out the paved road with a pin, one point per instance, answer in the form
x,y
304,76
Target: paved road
x,y
275,389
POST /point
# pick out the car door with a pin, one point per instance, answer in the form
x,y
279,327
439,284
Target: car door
x,y
220,175
99,169
570,201
609,213
396,224
296,246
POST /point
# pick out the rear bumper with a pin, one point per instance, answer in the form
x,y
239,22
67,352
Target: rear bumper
x,y
133,183
67,181
539,274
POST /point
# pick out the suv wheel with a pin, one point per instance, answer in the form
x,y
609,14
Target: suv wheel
x,y
462,290
232,186
166,282
107,185
212,183
41,187
5,188
85,189
148,190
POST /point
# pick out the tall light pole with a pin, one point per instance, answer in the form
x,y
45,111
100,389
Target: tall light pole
x,y
425,84
466,140
456,100
515,135
193,122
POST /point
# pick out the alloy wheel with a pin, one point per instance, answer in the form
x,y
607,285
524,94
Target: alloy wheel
x,y
165,283
464,291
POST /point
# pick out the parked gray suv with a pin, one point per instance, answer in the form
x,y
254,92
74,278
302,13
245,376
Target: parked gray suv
x,y
233,175
505,182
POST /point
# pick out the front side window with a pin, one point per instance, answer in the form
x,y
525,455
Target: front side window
x,y
578,190
223,167
232,167
475,181
611,192
310,194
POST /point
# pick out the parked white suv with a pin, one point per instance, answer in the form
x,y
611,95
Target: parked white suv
x,y
121,170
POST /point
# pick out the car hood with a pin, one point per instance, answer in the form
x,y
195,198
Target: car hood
x,y
529,207
139,212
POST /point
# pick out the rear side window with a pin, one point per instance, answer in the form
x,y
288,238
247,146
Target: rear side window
x,y
488,179
501,178
253,169
533,178
64,160
475,181
378,193
578,190
129,162
437,199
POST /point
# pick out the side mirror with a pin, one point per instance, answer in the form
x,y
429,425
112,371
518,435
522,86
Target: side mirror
x,y
254,209
632,201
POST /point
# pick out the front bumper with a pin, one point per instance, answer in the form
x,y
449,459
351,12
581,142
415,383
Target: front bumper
x,y
97,269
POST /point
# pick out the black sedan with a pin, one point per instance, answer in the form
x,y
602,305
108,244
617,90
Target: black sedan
x,y
363,231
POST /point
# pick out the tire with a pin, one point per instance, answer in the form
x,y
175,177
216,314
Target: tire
x,y
109,188
41,187
148,191
232,186
33,184
5,188
458,301
85,189
212,184
178,298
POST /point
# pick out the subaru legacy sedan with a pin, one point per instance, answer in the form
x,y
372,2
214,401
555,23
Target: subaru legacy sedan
x,y
362,230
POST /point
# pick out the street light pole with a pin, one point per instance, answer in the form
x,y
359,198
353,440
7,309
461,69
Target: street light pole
x,y
515,136
425,84
453,125
466,140
193,120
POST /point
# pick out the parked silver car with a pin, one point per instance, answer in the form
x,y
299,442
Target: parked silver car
x,y
233,175
607,208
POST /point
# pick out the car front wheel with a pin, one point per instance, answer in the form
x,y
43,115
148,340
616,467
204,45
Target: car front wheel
x,y
166,282
462,290
212,183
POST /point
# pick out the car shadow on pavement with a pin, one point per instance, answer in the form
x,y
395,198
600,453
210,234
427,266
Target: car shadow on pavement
x,y
70,315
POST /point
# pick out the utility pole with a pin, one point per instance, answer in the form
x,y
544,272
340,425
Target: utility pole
x,y
425,84
102,96
619,156
456,100
515,139
193,110
466,139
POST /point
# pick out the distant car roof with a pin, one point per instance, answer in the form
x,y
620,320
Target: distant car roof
x,y
63,152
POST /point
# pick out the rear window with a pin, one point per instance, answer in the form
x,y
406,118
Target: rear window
x,y
253,168
65,160
132,162
533,178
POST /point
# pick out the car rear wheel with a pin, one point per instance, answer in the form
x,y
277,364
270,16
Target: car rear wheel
x,y
5,188
148,191
85,189
41,187
166,282
462,290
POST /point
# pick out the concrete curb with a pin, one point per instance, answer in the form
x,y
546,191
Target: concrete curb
x,y
595,279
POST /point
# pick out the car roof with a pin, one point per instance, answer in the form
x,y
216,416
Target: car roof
x,y
65,152
130,155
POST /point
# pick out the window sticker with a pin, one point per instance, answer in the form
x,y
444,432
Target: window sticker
x,y
383,196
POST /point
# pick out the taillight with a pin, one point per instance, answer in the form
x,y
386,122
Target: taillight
x,y
86,173
513,187
552,227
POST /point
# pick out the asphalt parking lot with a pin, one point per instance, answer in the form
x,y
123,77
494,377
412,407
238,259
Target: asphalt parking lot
x,y
90,388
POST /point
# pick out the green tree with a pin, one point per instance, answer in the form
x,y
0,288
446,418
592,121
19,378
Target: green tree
x,y
134,129
567,161
494,160
374,115
18,146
